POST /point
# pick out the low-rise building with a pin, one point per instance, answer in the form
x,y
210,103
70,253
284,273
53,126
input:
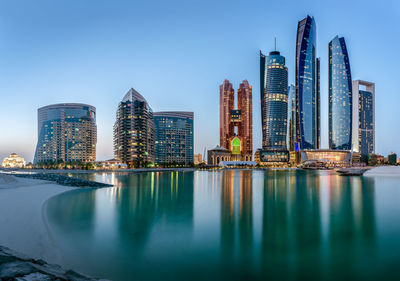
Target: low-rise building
x,y
111,164
330,157
237,163
272,157
392,158
197,159
375,159
218,154
13,161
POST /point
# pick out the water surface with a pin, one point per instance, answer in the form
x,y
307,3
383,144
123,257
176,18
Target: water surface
x,y
231,225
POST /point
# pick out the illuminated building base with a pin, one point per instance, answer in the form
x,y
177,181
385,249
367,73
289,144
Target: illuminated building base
x,y
272,157
330,157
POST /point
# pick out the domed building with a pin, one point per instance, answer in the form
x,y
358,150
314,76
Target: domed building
x,y
13,161
218,154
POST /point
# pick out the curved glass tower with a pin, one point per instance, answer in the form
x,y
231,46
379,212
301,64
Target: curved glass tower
x,y
340,96
291,121
307,86
275,102
67,132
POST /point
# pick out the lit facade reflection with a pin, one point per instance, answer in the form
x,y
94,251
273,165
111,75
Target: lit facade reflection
x,y
237,217
224,225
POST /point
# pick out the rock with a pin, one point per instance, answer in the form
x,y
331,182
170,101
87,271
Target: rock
x,y
37,276
15,269
64,180
15,266
6,258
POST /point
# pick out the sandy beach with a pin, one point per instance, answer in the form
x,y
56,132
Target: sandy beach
x,y
21,216
383,171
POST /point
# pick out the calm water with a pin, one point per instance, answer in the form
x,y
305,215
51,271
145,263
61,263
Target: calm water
x,y
231,225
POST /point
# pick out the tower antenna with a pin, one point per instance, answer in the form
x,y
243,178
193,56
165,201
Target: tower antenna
x,y
275,43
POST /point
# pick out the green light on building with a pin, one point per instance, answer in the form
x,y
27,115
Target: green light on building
x,y
236,146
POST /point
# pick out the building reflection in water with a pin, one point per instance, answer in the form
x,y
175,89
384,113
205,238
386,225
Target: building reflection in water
x,y
351,226
295,222
283,225
154,215
237,219
290,223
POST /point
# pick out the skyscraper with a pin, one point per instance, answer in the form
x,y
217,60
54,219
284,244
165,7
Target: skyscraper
x,y
226,105
262,94
275,102
174,137
307,86
274,109
340,96
363,117
66,132
245,127
291,123
134,131
236,125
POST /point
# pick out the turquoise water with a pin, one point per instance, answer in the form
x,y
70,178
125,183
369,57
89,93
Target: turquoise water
x,y
231,225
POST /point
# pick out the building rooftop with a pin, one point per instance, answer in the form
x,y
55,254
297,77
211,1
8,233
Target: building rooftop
x,y
220,148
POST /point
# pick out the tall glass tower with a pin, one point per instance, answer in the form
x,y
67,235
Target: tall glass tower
x,y
262,94
307,86
291,123
275,102
340,96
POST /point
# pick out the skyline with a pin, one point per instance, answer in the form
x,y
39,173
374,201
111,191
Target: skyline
x,y
80,70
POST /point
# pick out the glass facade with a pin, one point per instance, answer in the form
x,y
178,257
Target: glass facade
x,y
174,137
66,132
307,91
340,96
271,156
332,158
291,123
262,94
275,102
363,117
366,119
134,131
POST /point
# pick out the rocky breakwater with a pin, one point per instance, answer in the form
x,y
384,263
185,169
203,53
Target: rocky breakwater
x,y
15,266
64,180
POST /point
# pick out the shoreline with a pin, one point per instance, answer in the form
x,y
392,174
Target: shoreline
x,y
23,217
26,244
141,170
22,221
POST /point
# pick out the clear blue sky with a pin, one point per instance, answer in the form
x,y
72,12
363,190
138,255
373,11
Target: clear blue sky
x,y
176,54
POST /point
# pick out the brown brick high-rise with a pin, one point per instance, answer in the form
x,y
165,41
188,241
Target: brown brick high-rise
x,y
236,125
245,105
226,105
